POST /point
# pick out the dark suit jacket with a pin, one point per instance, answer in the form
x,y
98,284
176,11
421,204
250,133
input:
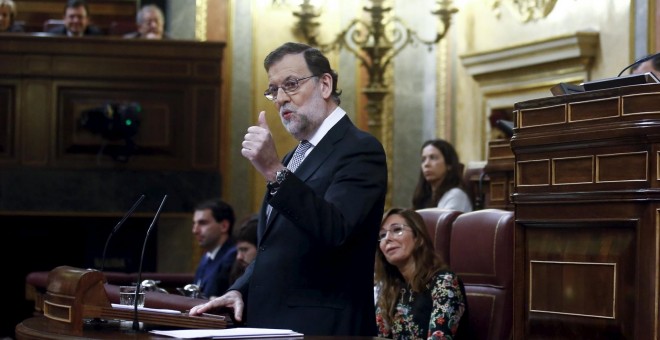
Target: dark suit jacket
x,y
14,28
89,31
213,275
315,263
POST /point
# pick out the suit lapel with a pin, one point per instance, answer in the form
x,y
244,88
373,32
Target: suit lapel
x,y
311,163
324,148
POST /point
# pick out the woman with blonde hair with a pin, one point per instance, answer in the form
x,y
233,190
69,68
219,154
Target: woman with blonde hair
x,y
418,296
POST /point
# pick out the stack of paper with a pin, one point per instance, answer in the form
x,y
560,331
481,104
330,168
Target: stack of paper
x,y
232,333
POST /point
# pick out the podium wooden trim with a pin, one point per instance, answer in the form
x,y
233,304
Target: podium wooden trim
x,y
74,295
587,207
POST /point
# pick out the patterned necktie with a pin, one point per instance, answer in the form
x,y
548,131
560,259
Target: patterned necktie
x,y
299,155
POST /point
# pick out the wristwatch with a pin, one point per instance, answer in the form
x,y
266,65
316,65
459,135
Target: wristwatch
x,y
280,176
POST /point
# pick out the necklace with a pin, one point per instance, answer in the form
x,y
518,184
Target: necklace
x,y
405,291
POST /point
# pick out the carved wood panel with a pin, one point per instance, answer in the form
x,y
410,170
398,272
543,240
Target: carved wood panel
x,y
161,138
7,118
176,84
586,201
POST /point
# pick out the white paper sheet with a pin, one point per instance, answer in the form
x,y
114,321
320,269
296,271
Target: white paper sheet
x,y
231,333
157,310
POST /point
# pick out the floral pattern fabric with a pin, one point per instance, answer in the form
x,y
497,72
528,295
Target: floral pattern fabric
x,y
433,314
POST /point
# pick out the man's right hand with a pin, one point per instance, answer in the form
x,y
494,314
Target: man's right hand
x,y
259,148
232,299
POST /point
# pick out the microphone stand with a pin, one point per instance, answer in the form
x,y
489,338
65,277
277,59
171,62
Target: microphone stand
x,y
97,321
136,323
121,222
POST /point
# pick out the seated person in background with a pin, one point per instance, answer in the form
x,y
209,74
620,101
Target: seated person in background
x,y
440,181
150,24
418,296
246,247
76,21
213,221
8,17
652,65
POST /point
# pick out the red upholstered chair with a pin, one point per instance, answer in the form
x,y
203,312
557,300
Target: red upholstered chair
x,y
481,253
438,223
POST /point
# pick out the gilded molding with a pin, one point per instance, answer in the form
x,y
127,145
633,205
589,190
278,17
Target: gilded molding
x,y
201,7
525,10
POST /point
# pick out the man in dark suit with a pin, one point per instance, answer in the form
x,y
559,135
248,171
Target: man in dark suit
x,y
213,222
318,224
76,21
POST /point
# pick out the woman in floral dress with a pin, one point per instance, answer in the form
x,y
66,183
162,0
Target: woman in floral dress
x,y
418,296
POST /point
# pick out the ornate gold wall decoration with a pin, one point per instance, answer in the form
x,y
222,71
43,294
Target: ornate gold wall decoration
x,y
201,7
526,10
375,43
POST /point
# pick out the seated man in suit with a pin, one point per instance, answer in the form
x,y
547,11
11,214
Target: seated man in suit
x,y
150,24
213,221
76,21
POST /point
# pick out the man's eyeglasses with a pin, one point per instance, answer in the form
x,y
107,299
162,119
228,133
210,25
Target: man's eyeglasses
x,y
396,229
289,85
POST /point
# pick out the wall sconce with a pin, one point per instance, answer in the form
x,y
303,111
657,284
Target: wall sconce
x,y
374,43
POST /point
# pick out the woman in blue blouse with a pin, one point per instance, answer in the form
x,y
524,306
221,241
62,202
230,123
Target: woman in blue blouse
x,y
418,296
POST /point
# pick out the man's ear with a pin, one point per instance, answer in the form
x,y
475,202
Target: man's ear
x,y
326,85
224,225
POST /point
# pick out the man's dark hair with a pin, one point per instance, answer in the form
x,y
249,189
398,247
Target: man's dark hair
x,y
248,230
317,63
655,61
246,233
220,211
76,4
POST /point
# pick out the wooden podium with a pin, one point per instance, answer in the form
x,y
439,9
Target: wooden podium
x,y
75,295
587,206
499,169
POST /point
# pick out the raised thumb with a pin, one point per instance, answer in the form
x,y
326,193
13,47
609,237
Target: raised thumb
x,y
262,120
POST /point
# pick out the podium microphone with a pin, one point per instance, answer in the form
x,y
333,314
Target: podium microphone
x,y
136,324
121,222
639,61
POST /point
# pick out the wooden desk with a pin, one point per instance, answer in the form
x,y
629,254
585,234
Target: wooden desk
x,y
37,328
